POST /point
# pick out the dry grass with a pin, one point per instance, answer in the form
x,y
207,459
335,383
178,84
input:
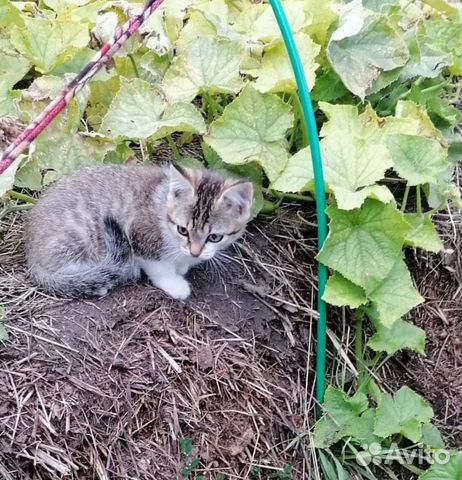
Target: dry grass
x,y
107,388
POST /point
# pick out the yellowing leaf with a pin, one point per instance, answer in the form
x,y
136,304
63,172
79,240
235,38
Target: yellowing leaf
x,y
198,26
412,119
258,23
59,153
8,99
207,65
7,177
297,174
417,159
354,155
340,292
140,111
253,128
180,117
43,41
364,244
363,46
275,73
395,295
13,66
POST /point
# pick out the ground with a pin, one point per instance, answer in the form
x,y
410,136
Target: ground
x,y
121,387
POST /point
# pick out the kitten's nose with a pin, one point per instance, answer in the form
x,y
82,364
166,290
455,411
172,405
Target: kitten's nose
x,y
195,249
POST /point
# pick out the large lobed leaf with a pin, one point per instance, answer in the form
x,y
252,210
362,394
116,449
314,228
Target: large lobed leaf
x,y
43,41
403,413
363,46
275,73
141,111
364,244
253,128
207,65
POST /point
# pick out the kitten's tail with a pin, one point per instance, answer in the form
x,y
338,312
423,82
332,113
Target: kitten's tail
x,y
77,279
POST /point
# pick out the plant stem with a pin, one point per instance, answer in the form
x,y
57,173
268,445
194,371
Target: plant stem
x,y
174,147
212,106
419,200
135,68
299,118
433,88
288,196
13,208
21,196
406,194
143,155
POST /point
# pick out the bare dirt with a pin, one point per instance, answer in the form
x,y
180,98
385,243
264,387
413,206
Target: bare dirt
x,y
111,388
108,388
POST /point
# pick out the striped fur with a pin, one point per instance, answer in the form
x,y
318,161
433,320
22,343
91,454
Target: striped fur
x,y
100,227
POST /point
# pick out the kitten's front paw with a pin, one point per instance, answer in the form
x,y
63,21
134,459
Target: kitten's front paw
x,y
176,287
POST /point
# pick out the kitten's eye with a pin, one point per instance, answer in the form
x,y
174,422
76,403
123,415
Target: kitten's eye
x,y
214,238
182,230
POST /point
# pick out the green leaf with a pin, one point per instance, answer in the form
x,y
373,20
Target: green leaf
x,y
402,414
253,128
446,35
340,291
431,436
417,159
186,446
140,111
275,74
399,336
364,244
297,174
328,87
412,119
342,418
354,155
180,117
452,470
43,41
7,177
59,153
135,111
154,67
423,233
58,5
426,59
8,99
13,66
363,46
207,65
395,295
9,16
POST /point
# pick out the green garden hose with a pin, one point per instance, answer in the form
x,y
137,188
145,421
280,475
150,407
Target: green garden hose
x,y
308,114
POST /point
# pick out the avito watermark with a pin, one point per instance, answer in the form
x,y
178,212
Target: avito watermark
x,y
376,454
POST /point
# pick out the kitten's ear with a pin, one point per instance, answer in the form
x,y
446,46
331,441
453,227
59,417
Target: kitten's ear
x,y
237,199
180,184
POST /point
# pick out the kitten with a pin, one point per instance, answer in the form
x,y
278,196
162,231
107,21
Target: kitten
x,y
101,227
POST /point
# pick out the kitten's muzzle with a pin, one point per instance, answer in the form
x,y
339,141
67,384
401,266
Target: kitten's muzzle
x,y
195,249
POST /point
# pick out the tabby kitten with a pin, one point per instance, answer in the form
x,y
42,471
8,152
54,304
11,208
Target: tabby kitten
x,y
102,226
